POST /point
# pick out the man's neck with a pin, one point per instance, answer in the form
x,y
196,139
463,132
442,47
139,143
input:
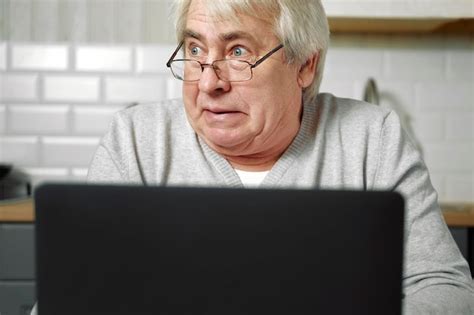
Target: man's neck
x,y
261,161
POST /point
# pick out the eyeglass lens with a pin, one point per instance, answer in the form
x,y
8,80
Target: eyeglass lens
x,y
228,70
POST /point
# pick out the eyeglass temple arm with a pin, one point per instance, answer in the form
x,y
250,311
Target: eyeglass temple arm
x,y
271,52
168,64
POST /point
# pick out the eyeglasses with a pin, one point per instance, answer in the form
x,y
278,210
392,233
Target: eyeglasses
x,y
229,70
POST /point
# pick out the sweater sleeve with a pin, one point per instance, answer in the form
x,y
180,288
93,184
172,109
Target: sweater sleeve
x,y
103,168
436,277
110,163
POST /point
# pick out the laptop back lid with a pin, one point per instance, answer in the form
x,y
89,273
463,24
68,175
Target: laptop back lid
x,y
155,250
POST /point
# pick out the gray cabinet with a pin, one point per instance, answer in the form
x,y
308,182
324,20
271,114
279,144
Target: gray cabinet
x,y
17,269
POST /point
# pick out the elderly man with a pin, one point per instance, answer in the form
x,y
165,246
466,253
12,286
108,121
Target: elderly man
x,y
252,116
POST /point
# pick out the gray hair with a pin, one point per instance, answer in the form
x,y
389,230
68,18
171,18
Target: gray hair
x,y
301,25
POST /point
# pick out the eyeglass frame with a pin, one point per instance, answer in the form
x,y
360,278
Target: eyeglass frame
x,y
211,65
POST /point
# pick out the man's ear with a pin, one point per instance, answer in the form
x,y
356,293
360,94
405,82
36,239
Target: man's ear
x,y
308,71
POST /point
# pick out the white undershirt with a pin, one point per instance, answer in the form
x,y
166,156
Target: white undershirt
x,y
251,179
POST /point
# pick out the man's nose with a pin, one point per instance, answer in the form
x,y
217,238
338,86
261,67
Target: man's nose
x,y
210,81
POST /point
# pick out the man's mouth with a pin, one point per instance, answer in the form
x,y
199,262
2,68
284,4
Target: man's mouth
x,y
220,112
222,115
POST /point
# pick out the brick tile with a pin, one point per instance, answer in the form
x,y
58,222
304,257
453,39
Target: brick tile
x,y
340,88
449,156
460,65
22,151
18,87
460,126
356,63
41,57
103,58
399,95
429,126
92,120
460,187
135,89
40,175
79,174
72,88
3,56
3,119
446,96
174,88
415,64
68,151
38,119
154,58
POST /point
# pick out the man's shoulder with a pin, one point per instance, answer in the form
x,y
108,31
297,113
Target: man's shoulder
x,y
350,112
162,110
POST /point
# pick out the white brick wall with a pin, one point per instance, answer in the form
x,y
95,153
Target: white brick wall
x,y
68,151
18,87
56,100
44,174
445,96
130,89
92,120
460,186
38,119
353,63
65,88
104,59
460,126
154,58
28,56
20,150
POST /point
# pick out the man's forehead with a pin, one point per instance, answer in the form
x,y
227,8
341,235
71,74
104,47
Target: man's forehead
x,y
200,24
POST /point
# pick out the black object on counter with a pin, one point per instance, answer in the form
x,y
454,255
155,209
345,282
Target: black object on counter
x,y
14,184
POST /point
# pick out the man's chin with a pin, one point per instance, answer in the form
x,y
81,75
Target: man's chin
x,y
225,142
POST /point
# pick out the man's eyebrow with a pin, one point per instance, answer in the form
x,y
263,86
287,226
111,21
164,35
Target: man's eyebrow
x,y
236,35
190,33
225,37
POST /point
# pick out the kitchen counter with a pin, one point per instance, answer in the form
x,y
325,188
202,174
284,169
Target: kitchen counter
x,y
18,210
458,214
22,210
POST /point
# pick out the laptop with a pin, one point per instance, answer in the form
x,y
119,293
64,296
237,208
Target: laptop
x,y
104,249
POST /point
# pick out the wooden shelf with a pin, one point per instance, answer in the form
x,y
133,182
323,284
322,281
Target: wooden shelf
x,y
401,25
400,16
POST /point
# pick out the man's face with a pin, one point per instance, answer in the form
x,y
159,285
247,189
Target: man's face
x,y
252,118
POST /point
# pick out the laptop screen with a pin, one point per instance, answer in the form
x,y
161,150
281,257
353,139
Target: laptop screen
x,y
171,250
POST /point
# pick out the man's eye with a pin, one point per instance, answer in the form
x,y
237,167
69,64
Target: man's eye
x,y
239,52
195,51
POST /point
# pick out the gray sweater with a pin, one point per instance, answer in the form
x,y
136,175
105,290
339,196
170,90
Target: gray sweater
x,y
342,143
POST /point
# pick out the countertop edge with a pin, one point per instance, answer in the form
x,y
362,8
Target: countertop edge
x,y
22,210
